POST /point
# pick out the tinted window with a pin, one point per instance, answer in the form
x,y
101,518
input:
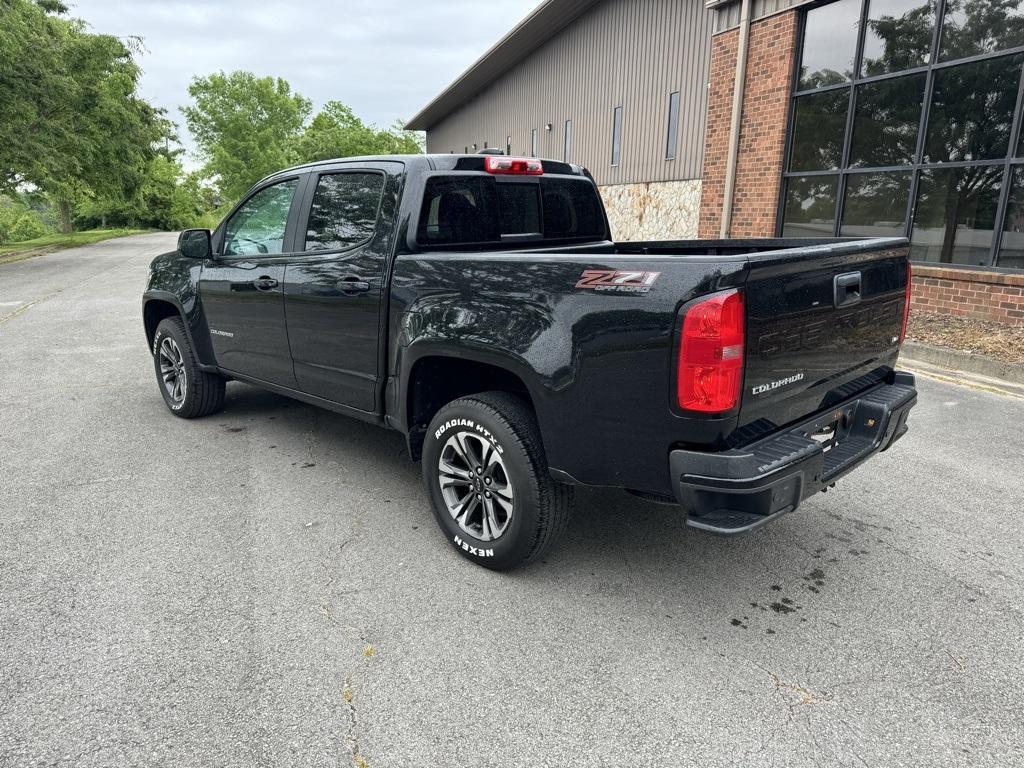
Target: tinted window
x,y
616,135
898,35
971,27
875,205
567,149
972,110
572,209
810,206
673,126
830,42
344,210
258,226
955,214
1011,251
479,209
819,123
886,121
519,209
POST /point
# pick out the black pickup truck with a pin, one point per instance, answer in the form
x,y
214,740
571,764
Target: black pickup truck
x,y
477,304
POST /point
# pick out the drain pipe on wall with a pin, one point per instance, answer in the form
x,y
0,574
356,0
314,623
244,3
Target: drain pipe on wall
x,y
737,114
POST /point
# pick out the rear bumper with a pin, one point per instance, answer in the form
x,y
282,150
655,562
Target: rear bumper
x,y
742,489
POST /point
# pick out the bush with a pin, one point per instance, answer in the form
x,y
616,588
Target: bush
x,y
28,227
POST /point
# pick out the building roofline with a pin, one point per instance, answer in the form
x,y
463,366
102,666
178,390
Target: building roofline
x,y
544,22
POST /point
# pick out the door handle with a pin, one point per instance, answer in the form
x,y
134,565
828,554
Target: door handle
x,y
264,283
354,285
846,290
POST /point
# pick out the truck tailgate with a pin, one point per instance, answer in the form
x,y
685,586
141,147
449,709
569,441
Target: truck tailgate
x,y
823,324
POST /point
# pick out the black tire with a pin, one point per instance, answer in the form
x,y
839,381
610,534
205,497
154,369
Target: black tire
x,y
202,393
540,506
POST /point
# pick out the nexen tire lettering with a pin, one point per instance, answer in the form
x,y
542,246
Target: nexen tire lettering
x,y
478,551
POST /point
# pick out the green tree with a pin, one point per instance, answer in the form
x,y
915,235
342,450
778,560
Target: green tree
x,y
337,132
244,126
72,123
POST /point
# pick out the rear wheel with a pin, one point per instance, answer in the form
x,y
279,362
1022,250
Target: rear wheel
x,y
188,391
489,486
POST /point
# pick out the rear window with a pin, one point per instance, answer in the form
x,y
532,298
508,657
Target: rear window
x,y
482,209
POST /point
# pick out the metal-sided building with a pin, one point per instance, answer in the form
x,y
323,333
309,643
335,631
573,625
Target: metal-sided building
x,y
755,118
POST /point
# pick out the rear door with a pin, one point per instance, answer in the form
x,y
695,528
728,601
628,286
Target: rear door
x,y
242,287
823,323
333,289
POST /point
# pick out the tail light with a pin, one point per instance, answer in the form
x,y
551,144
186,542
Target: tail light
x,y
710,372
519,166
906,306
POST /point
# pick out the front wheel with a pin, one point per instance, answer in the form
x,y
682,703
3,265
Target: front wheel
x,y
188,391
488,481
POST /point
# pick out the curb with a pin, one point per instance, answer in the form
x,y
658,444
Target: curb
x,y
964,368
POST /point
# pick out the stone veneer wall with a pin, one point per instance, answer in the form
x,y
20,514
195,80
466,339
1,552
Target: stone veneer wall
x,y
656,210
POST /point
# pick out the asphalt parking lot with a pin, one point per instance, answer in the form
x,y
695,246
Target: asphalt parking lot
x,y
266,587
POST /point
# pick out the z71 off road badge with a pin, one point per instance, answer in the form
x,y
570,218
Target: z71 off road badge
x,y
621,281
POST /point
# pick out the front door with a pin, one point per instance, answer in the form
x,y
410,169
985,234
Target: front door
x,y
242,288
333,289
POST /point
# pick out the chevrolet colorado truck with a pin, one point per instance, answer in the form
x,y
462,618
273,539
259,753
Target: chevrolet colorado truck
x,y
478,305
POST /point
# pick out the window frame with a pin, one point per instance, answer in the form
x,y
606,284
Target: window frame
x,y
917,165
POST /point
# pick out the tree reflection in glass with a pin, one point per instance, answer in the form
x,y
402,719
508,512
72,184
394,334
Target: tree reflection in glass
x,y
875,204
955,214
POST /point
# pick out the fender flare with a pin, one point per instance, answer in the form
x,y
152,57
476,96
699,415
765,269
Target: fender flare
x,y
204,351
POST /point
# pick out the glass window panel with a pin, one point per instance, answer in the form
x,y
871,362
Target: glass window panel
x,y
616,135
567,147
830,44
971,27
258,226
819,125
875,204
344,211
972,110
810,206
886,121
673,126
955,214
1011,251
898,35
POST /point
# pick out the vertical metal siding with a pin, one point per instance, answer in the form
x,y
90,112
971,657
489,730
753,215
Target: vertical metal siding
x,y
632,53
728,16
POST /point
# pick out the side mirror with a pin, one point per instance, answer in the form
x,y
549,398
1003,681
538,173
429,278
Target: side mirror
x,y
195,244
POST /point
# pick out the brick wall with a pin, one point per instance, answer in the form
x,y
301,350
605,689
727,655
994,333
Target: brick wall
x,y
984,295
762,127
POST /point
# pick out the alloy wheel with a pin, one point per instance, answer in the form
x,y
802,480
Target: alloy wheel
x,y
172,370
475,485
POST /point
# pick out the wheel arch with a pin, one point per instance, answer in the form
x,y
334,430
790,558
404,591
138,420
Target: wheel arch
x,y
154,311
437,378
159,305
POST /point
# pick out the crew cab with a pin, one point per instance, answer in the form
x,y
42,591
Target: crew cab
x,y
478,305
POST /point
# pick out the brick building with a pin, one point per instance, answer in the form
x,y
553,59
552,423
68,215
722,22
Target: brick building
x,y
761,118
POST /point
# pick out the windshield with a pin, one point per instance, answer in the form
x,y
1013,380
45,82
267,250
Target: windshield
x,y
463,209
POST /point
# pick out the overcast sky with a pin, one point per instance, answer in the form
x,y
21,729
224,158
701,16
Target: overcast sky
x,y
384,58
